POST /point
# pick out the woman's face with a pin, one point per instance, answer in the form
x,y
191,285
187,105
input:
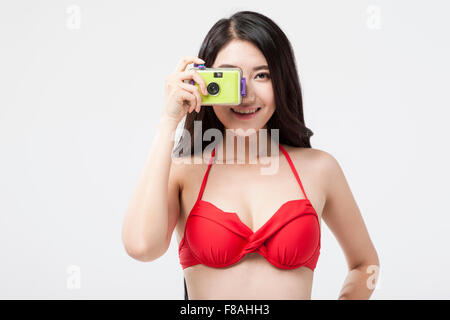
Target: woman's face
x,y
259,92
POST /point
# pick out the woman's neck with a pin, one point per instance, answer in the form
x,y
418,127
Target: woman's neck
x,y
246,149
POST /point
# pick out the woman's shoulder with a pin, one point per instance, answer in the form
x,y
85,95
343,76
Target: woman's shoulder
x,y
306,152
314,158
318,165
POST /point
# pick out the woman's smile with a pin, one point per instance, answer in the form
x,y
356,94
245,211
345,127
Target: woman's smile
x,y
245,113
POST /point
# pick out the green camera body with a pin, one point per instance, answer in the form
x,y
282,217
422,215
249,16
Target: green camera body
x,y
225,86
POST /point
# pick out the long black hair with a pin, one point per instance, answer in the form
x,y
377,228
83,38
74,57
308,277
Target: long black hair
x,y
272,42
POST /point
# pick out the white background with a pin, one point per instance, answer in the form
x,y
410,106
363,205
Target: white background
x,y
81,90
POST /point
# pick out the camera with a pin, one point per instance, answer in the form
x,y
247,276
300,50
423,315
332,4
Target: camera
x,y
225,86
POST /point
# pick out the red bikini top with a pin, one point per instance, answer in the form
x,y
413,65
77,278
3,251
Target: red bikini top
x,y
289,239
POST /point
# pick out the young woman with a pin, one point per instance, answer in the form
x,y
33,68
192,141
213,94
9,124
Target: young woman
x,y
243,234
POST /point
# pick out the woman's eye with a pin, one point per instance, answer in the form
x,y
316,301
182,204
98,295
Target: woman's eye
x,y
266,74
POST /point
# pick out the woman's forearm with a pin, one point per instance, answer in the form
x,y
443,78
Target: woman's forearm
x,y
360,282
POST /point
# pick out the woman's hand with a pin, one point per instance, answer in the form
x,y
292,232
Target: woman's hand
x,y
181,98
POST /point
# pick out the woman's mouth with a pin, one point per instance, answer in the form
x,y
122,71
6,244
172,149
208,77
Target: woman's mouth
x,y
245,113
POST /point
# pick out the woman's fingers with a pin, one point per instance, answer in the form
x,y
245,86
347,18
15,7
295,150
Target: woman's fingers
x,y
193,75
189,100
185,61
181,97
193,90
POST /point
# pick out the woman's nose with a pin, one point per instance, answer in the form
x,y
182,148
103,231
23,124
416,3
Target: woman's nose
x,y
249,95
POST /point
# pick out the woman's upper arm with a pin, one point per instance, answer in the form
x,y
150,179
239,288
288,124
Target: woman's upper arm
x,y
342,216
173,197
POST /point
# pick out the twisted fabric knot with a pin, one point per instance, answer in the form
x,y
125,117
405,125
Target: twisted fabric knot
x,y
253,246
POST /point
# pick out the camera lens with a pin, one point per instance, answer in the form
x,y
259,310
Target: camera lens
x,y
212,88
